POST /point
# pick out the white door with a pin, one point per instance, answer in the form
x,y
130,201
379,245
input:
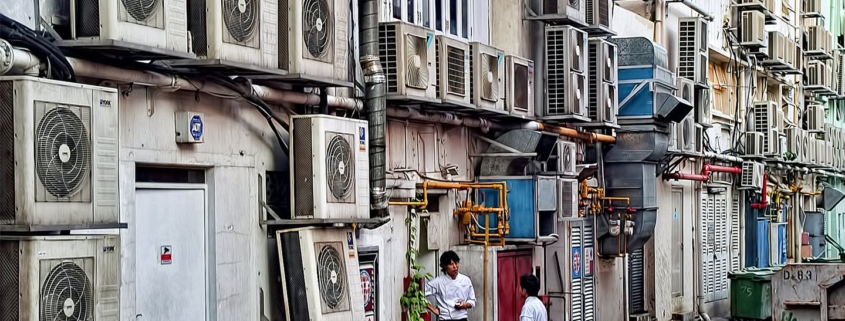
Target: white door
x,y
170,266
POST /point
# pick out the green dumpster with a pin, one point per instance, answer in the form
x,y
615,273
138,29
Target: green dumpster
x,y
751,293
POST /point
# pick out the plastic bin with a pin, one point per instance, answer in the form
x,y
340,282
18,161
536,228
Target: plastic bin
x,y
751,293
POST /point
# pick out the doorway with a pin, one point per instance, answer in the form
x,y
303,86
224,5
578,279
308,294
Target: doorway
x,y
170,252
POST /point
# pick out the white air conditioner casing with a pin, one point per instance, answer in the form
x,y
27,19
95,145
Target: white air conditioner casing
x,y
61,278
761,5
776,49
753,29
225,35
765,113
164,25
815,118
812,7
487,67
603,96
829,154
565,10
452,70
566,74
519,83
771,142
600,13
61,144
685,89
754,144
568,190
839,80
819,42
821,152
752,175
686,134
794,143
806,148
811,151
674,141
693,50
329,167
408,57
318,38
566,157
320,275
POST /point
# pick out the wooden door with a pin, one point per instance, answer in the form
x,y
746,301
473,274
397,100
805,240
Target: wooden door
x,y
511,265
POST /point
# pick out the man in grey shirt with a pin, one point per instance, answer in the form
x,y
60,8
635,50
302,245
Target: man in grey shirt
x,y
533,309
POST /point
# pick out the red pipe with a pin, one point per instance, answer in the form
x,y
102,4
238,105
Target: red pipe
x,y
722,169
691,177
705,173
765,202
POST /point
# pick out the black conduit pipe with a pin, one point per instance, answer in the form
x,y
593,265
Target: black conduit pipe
x,y
375,104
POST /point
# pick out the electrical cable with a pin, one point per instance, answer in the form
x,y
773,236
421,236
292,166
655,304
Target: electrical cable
x,y
20,35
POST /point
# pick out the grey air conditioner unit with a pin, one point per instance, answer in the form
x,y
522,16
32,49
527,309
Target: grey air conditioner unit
x,y
566,74
819,42
408,57
566,158
452,67
519,83
687,135
603,96
599,17
565,11
60,278
752,175
487,72
241,32
568,191
754,145
693,50
753,32
61,144
776,50
319,274
329,167
819,78
815,118
158,24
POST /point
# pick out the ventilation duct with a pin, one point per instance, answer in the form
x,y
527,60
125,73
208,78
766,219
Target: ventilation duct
x,y
671,108
522,140
831,197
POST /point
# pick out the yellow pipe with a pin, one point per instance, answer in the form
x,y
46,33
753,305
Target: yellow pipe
x,y
426,185
590,138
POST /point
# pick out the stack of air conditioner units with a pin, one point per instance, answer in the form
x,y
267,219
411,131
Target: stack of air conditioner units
x,y
566,74
603,97
693,50
61,173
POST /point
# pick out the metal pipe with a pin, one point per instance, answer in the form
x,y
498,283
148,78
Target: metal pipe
x,y
442,118
691,177
90,69
722,169
376,106
659,9
590,138
17,61
764,202
723,157
695,8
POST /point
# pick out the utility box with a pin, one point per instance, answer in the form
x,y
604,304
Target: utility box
x,y
189,127
532,205
809,291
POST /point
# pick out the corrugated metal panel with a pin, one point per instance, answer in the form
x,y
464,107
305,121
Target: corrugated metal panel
x,y
577,288
716,245
636,285
736,212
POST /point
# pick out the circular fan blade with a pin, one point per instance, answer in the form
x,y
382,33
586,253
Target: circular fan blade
x,y
317,26
66,294
340,167
241,18
140,10
331,276
62,152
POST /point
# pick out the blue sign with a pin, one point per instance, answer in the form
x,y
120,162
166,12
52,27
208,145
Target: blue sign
x,y
196,127
576,262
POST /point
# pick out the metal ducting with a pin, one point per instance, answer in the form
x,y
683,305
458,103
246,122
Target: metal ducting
x,y
522,140
671,108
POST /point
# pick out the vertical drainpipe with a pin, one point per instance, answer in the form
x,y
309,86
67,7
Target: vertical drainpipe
x,y
375,104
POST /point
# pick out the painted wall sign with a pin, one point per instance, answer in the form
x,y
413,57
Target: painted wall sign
x,y
166,255
196,127
576,262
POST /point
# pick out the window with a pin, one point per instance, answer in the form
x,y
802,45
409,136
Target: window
x,y
466,19
722,90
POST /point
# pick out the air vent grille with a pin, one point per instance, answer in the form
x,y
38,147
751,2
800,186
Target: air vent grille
x,y
388,53
87,18
304,196
7,148
456,70
686,51
9,278
557,73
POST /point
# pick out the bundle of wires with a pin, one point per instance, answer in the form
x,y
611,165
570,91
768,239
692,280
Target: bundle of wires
x,y
20,35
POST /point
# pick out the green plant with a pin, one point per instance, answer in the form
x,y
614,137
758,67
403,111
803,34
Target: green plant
x,y
413,300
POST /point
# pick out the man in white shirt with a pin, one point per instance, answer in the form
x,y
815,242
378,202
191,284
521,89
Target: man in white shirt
x,y
533,309
452,291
